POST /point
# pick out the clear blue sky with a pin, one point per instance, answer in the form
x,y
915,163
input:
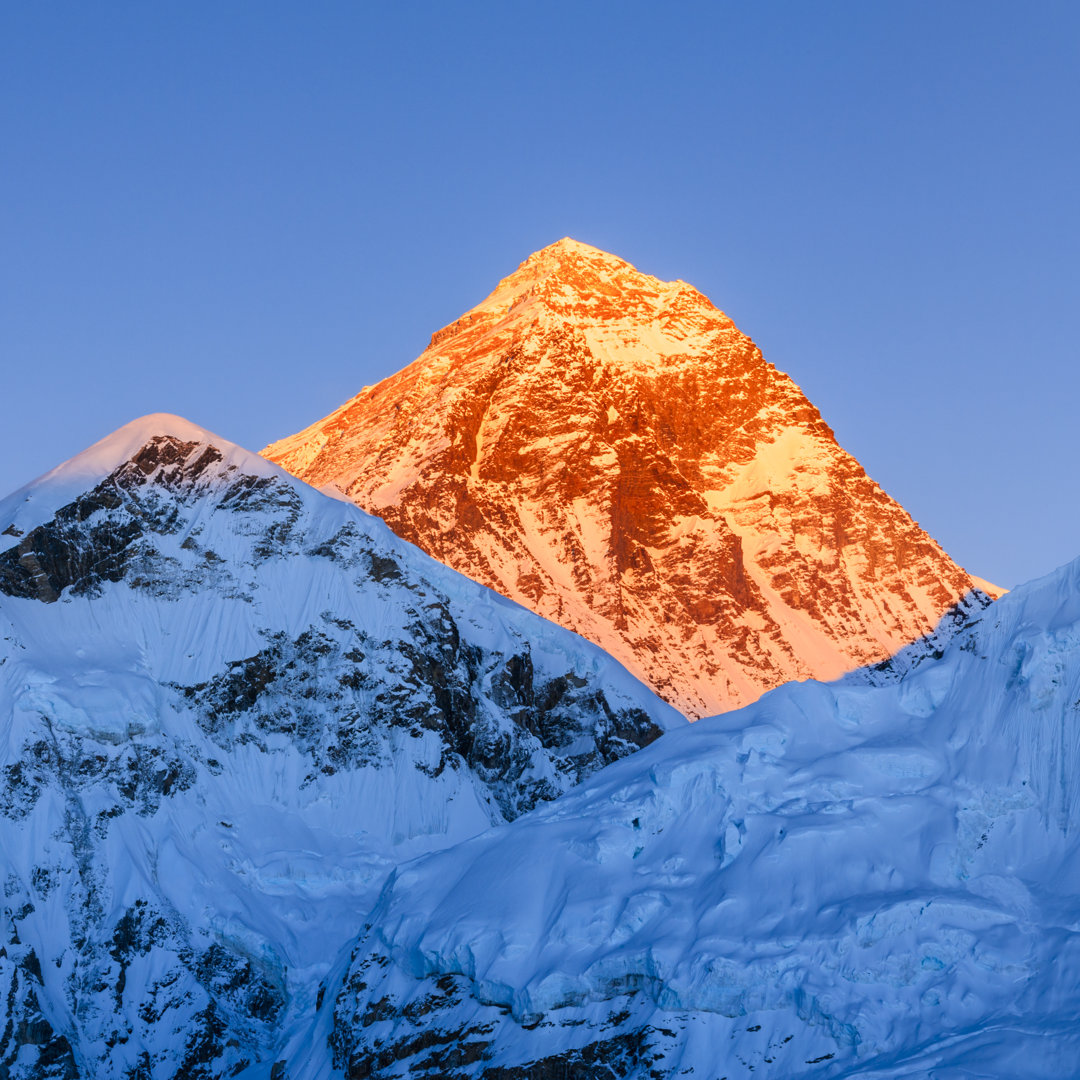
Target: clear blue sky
x,y
245,212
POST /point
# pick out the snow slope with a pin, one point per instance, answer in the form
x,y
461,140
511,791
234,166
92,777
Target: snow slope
x,y
840,880
612,452
229,705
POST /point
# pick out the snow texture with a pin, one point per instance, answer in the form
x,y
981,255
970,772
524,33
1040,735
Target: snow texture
x,y
840,880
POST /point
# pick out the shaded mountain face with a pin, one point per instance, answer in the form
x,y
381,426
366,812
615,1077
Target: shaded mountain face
x,y
839,880
610,451
231,705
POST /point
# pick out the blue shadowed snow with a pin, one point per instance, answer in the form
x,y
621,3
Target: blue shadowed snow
x,y
839,880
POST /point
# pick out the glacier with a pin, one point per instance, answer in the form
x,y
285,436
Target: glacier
x,y
840,880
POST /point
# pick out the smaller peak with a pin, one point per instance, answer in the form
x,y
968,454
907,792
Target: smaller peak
x,y
38,500
152,425
125,442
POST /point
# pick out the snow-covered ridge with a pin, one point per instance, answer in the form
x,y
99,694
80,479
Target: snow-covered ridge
x,y
232,705
837,881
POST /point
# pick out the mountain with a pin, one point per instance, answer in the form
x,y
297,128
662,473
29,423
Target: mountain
x,y
610,451
838,881
231,705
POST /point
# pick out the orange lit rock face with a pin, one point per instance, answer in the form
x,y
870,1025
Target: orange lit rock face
x,y
609,450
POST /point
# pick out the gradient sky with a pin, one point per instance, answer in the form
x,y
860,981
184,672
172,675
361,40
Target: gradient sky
x,y
245,212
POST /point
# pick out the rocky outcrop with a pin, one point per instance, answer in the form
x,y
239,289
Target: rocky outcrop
x,y
609,450
107,534
30,1048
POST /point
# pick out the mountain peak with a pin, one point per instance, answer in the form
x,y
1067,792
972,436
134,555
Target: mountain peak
x,y
610,450
570,251
229,706
576,281
569,245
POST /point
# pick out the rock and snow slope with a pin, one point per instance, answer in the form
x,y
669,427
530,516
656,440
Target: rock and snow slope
x,y
839,880
609,450
230,705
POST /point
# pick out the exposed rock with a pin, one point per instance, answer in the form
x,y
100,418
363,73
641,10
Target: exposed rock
x,y
30,1048
107,533
609,450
